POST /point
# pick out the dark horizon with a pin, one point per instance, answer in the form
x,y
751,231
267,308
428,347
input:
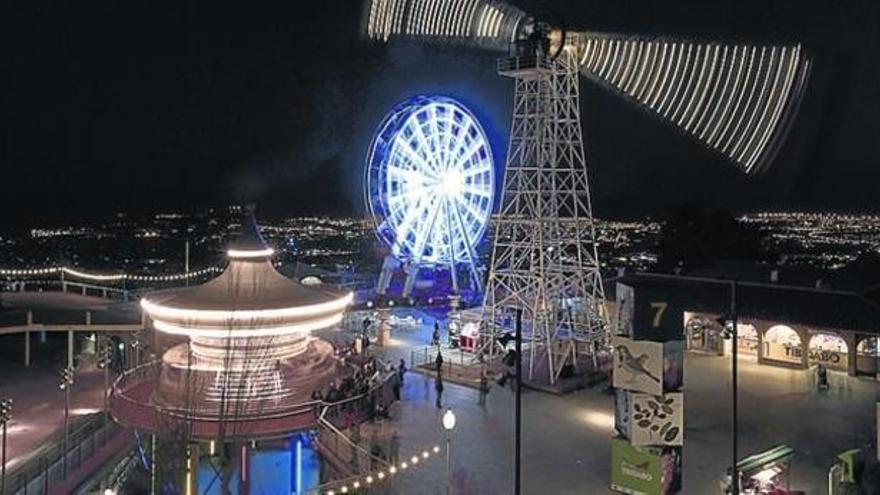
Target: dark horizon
x,y
144,108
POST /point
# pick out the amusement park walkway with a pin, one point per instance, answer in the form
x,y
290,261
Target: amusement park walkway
x,y
38,404
566,443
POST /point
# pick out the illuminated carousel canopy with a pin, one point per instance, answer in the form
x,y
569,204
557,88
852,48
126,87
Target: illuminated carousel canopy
x,y
249,299
250,360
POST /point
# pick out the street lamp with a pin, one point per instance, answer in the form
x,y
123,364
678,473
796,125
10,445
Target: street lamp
x,y
105,357
5,416
66,383
730,325
448,425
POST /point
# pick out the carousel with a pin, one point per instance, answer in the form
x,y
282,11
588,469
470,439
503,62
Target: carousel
x,y
245,364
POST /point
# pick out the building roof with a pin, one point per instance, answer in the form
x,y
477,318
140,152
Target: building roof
x,y
820,308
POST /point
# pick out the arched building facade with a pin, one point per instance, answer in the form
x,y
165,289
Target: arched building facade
x,y
778,325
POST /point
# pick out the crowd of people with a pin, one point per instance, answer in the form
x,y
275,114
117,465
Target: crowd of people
x,y
357,381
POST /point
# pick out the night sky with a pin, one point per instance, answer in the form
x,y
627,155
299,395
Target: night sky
x,y
145,106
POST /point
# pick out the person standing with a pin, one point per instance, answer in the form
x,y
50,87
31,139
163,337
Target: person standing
x,y
401,370
395,384
438,387
435,337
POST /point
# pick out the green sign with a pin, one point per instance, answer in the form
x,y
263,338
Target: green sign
x,y
635,470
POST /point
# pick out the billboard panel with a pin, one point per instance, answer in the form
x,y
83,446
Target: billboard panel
x,y
647,366
656,419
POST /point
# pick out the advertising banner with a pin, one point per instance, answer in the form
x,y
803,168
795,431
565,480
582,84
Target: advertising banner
x,y
644,470
648,314
647,366
656,419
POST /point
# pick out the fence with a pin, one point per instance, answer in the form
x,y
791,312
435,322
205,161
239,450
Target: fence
x,y
452,358
45,466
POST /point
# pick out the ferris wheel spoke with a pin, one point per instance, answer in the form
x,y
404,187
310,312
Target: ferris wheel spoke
x,y
424,143
475,213
427,227
415,161
465,235
413,177
437,137
481,168
405,226
405,197
476,192
474,148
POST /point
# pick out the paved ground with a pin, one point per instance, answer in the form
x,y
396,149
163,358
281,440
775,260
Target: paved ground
x,y
566,445
38,404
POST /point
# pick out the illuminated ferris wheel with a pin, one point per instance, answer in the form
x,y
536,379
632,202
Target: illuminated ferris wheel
x,y
430,182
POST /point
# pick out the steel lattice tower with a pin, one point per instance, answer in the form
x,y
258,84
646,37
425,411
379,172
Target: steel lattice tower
x,y
544,259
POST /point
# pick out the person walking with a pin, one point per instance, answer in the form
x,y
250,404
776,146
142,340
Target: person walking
x,y
484,388
435,337
438,387
438,362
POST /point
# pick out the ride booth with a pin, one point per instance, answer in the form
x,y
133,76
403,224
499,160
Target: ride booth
x,y
766,473
648,373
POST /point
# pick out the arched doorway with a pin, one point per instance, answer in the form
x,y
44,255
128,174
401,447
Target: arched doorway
x,y
783,344
703,334
829,350
867,355
747,340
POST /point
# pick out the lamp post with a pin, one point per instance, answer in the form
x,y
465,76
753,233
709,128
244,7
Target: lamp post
x,y
66,383
448,425
734,405
105,357
731,324
5,416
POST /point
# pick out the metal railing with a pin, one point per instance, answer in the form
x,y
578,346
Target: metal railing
x,y
149,371
452,358
44,467
523,62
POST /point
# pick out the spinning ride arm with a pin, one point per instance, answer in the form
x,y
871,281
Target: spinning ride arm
x,y
737,99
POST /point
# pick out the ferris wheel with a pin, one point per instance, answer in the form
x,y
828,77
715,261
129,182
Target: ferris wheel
x,y
430,183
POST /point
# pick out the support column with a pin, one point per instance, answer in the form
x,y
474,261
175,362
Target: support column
x,y
244,469
805,347
27,339
70,348
27,348
851,340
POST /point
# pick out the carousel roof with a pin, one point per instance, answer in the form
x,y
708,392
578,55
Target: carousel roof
x,y
250,293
